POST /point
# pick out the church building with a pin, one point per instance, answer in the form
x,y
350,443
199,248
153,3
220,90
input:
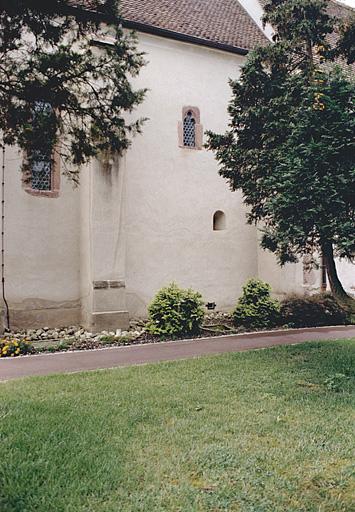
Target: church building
x,y
96,254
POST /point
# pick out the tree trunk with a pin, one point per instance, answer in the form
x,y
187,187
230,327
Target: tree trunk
x,y
334,281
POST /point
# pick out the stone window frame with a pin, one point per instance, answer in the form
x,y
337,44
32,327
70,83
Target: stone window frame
x,y
198,128
55,180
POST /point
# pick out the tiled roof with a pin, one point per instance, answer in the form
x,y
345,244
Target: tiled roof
x,y
340,11
336,9
223,22
219,22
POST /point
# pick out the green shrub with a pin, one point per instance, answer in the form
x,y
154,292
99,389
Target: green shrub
x,y
15,347
312,311
175,311
256,309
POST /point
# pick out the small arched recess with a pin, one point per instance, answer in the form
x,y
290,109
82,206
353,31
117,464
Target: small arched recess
x,y
219,221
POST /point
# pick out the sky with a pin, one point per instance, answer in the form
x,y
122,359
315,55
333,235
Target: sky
x,y
348,2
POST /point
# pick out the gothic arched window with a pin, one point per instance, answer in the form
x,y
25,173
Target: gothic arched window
x,y
190,130
43,176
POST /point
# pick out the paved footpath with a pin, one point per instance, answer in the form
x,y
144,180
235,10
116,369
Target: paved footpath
x,y
68,362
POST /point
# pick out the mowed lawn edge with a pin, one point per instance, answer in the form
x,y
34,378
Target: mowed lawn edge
x,y
268,430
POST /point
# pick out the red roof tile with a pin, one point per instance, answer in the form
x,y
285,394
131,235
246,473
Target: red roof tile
x,y
220,21
340,11
223,22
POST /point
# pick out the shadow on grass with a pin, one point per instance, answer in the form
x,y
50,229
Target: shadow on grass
x,y
329,365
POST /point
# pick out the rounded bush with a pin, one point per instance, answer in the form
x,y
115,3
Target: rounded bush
x,y
256,309
175,311
312,311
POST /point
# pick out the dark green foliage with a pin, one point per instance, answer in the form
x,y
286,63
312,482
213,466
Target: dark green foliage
x,y
313,311
291,140
175,311
298,21
49,57
256,309
346,43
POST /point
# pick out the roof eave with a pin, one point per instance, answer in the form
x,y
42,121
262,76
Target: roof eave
x,y
178,36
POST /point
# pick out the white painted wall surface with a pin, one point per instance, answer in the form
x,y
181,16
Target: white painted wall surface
x,y
255,10
41,249
172,192
148,223
346,272
283,280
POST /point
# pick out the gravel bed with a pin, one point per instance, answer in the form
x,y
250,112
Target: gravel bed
x,y
77,338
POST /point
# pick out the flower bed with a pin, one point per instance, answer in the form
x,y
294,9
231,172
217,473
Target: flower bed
x,y
13,347
77,338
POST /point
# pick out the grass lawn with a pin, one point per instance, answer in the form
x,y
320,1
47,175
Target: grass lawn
x,y
271,430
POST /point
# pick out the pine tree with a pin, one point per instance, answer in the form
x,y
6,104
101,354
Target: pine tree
x,y
61,90
290,143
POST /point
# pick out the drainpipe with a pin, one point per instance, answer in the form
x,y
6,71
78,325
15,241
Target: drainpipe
x,y
323,270
7,313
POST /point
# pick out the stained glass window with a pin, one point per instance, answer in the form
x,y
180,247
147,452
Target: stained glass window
x,y
41,175
189,130
41,168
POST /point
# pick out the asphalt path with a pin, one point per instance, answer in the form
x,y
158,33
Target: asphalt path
x,y
86,360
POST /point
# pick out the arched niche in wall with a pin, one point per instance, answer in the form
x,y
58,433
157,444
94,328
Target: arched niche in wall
x,y
219,221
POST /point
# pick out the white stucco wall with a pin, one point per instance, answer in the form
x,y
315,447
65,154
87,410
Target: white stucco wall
x,y
283,280
255,10
102,245
346,272
293,278
41,250
172,193
147,221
